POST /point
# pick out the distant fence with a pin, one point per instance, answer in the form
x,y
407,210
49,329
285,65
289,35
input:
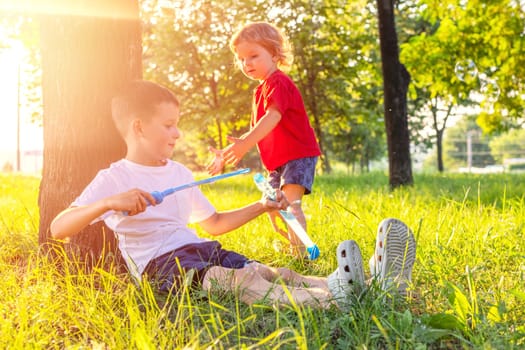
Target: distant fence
x,y
509,164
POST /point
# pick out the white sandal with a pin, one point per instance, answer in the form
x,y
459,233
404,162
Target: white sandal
x,y
395,255
349,276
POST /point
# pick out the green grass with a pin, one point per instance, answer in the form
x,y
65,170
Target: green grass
x,y
469,275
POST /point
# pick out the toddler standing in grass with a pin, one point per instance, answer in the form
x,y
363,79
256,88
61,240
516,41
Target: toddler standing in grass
x,y
279,124
156,241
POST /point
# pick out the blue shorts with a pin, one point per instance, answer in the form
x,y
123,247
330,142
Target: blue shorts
x,y
166,270
297,172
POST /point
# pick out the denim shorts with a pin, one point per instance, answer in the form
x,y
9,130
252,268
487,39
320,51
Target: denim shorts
x,y
298,172
167,270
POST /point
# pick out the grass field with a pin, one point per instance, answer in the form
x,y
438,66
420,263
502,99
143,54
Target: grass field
x,y
469,276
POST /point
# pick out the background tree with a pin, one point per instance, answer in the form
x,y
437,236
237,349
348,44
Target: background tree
x,y
436,91
88,51
464,55
395,81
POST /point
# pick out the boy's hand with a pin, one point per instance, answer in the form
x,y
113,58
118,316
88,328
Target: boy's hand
x,y
216,166
280,202
131,202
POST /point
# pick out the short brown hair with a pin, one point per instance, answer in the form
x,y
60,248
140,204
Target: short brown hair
x,y
268,36
138,99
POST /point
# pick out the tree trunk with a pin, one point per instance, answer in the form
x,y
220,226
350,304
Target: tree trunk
x,y
312,102
395,80
85,59
439,131
439,146
325,161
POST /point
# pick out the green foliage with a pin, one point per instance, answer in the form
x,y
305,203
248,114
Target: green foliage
x,y
462,55
471,52
468,279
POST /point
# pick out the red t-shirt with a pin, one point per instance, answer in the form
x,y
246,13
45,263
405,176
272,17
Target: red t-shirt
x,y
293,137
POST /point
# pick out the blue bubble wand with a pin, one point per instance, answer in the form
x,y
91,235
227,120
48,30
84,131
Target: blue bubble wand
x,y
288,217
159,196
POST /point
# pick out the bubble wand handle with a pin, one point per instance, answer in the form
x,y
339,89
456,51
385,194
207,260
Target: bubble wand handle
x,y
160,195
289,218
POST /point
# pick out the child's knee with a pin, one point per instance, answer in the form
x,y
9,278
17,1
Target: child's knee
x,y
297,211
285,273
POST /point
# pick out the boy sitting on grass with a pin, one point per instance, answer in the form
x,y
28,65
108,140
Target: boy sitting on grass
x,y
156,241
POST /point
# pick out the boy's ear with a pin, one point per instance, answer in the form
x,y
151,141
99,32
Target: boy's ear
x,y
136,126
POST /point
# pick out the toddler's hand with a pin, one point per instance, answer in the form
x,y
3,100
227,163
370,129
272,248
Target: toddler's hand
x,y
234,152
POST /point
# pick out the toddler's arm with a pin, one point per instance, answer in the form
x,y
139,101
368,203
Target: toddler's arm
x,y
234,152
72,220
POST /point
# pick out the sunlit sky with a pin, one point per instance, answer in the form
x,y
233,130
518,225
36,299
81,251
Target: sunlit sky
x,y
31,138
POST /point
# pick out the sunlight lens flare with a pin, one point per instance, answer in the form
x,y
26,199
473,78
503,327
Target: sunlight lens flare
x,y
95,8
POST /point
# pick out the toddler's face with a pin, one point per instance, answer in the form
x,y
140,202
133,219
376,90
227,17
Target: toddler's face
x,y
255,61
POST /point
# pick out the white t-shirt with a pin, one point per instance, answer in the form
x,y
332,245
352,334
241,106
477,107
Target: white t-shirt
x,y
159,229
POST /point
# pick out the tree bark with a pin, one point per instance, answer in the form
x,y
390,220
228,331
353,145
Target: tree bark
x,y
85,59
439,147
395,79
312,104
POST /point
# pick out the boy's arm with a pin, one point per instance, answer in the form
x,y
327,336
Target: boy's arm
x,y
226,221
234,153
72,220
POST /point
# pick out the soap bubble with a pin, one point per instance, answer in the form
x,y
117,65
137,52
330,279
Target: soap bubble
x,y
466,70
490,90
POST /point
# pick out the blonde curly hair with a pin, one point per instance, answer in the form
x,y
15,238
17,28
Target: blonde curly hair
x,y
268,36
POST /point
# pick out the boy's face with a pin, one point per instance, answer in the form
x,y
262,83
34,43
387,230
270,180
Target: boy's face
x,y
255,61
158,135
